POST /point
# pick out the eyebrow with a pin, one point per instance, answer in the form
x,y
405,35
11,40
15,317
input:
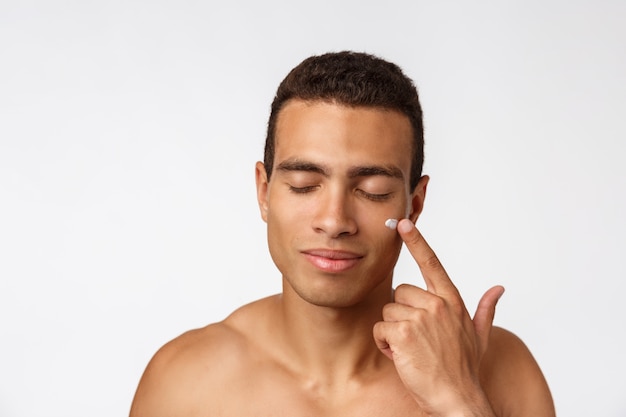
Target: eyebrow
x,y
390,171
300,165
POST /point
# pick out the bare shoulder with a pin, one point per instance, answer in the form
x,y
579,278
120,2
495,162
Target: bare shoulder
x,y
512,378
185,369
191,372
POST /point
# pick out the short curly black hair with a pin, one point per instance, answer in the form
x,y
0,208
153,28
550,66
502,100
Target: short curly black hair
x,y
351,79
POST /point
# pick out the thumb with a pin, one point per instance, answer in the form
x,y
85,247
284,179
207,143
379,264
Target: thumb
x,y
485,312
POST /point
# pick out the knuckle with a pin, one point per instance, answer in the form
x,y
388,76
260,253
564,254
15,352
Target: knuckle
x,y
438,304
378,328
458,307
402,288
432,262
387,311
438,309
415,239
403,293
404,330
419,317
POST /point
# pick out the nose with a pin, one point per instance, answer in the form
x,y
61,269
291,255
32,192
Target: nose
x,y
334,215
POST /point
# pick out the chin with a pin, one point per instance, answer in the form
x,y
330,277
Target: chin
x,y
338,298
332,301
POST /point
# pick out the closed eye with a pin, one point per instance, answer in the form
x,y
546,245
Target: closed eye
x,y
302,190
375,197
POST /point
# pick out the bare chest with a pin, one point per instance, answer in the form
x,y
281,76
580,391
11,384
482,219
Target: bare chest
x,y
278,397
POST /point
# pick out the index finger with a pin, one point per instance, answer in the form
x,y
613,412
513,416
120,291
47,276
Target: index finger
x,y
435,276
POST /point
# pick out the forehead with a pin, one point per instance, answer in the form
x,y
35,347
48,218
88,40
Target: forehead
x,y
338,133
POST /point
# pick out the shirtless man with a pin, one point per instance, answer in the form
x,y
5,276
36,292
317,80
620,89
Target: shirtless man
x,y
344,153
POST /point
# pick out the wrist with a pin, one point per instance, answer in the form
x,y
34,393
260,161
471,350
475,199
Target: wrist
x,y
471,403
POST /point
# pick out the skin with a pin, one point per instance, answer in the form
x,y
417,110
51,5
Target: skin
x,y
339,341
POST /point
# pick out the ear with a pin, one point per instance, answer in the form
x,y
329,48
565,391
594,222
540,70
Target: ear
x,y
261,189
417,198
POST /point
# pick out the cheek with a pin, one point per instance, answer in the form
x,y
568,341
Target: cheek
x,y
372,217
284,220
287,210
384,250
384,241
389,242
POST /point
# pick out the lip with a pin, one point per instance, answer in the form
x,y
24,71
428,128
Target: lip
x,y
330,260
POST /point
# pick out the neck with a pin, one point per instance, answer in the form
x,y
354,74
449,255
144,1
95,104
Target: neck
x,y
329,342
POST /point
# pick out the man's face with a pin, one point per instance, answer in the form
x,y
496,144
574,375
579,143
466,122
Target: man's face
x,y
339,173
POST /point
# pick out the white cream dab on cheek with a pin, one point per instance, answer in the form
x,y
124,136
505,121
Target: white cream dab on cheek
x,y
391,223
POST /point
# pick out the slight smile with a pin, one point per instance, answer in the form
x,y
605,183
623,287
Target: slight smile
x,y
333,261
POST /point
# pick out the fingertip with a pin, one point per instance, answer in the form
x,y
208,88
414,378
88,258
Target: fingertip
x,y
405,226
500,292
492,296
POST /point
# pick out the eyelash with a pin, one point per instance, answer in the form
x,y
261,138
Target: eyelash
x,y
369,196
302,190
376,197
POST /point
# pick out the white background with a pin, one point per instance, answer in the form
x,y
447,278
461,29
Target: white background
x,y
128,136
